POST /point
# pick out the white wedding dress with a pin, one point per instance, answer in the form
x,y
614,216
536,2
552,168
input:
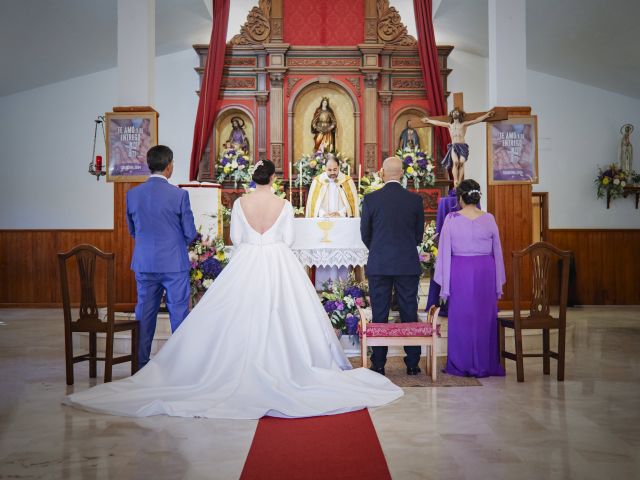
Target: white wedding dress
x,y
258,343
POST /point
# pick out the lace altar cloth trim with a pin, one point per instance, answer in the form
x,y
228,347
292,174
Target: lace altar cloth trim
x,y
326,257
330,257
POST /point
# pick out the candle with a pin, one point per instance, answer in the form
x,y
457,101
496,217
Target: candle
x,y
290,182
349,170
300,175
359,175
98,163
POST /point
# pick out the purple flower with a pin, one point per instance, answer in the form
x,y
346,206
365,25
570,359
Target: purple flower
x,y
211,267
224,161
408,160
351,322
421,155
252,184
329,307
353,291
422,163
339,306
241,161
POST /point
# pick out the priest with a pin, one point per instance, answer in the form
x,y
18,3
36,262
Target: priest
x,y
333,194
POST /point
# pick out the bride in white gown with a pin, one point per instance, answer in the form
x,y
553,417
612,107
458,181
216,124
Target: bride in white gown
x,y
258,343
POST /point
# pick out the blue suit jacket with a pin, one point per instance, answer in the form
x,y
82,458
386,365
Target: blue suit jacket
x,y
161,222
391,227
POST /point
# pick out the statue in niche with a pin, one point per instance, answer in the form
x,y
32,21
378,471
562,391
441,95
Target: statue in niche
x,y
323,128
626,149
238,137
409,138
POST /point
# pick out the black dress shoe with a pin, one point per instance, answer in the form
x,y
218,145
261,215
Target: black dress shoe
x,y
413,370
378,370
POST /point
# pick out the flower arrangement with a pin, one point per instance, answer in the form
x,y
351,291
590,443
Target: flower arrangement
x,y
277,187
310,166
370,183
428,249
233,165
611,182
417,166
207,259
341,300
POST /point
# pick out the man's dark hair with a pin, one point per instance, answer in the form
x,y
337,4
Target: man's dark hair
x,y
159,158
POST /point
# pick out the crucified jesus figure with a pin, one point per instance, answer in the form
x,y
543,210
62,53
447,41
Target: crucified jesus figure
x,y
457,150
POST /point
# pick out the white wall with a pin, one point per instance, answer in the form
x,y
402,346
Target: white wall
x,y
578,131
46,135
46,140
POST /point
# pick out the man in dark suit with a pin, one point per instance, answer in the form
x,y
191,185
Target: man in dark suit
x,y
161,222
391,227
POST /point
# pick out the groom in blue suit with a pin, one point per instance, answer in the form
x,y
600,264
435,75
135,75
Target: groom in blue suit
x,y
391,227
161,222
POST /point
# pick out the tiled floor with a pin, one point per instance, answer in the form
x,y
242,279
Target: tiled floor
x,y
585,428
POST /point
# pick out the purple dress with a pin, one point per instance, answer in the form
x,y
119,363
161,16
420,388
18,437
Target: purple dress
x,y
445,205
470,272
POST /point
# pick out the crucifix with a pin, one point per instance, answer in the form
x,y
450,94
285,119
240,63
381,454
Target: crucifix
x,y
457,122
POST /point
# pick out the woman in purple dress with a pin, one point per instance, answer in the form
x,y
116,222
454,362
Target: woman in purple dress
x,y
470,272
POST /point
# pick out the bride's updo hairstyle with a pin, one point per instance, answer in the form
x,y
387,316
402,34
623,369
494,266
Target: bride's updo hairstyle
x,y
263,171
469,192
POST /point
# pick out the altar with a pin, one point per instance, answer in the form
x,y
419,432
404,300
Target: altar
x,y
327,242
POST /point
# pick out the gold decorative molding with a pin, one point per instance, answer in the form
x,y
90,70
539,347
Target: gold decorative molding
x,y
257,29
355,81
323,62
405,62
240,61
390,26
291,82
239,83
407,83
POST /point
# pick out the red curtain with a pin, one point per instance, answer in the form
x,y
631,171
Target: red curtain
x,y
210,88
428,52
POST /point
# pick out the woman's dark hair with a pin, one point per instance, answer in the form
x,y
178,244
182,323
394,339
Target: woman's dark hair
x,y
469,191
263,172
159,158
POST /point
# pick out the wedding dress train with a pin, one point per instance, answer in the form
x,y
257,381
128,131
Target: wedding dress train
x,y
258,343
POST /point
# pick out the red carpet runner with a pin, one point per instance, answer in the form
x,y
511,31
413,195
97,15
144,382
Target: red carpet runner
x,y
331,447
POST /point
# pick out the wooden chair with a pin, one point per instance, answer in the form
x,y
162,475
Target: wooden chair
x,y
88,321
415,333
542,256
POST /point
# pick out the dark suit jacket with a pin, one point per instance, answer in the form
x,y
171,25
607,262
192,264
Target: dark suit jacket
x,y
161,222
391,227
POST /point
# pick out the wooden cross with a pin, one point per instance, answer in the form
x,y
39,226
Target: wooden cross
x,y
500,113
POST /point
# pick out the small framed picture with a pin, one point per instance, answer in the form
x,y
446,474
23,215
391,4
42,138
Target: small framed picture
x,y
129,136
512,150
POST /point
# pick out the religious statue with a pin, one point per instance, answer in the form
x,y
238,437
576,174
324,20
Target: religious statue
x,y
238,138
323,127
332,194
409,138
626,149
457,150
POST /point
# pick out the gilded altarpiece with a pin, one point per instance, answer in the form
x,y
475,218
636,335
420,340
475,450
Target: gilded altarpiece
x,y
290,54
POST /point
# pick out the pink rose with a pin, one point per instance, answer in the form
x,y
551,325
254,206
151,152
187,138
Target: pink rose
x,y
359,302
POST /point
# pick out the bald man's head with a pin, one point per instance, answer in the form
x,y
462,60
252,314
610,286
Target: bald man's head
x,y
392,169
332,167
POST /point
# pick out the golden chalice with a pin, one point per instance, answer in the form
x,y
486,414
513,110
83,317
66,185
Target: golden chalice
x,y
325,226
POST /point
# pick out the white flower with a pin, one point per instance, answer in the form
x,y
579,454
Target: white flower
x,y
349,302
616,182
623,183
207,283
234,164
193,256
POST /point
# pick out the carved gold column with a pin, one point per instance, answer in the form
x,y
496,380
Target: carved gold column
x,y
370,21
276,21
276,137
276,71
370,122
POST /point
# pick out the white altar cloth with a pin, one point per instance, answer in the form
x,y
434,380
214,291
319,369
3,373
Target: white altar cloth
x,y
344,248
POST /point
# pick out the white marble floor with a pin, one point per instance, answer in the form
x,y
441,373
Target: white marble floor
x,y
585,428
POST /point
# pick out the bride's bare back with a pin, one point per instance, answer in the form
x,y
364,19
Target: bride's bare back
x,y
261,209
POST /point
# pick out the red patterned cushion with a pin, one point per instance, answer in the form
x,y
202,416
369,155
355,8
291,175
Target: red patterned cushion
x,y
414,329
